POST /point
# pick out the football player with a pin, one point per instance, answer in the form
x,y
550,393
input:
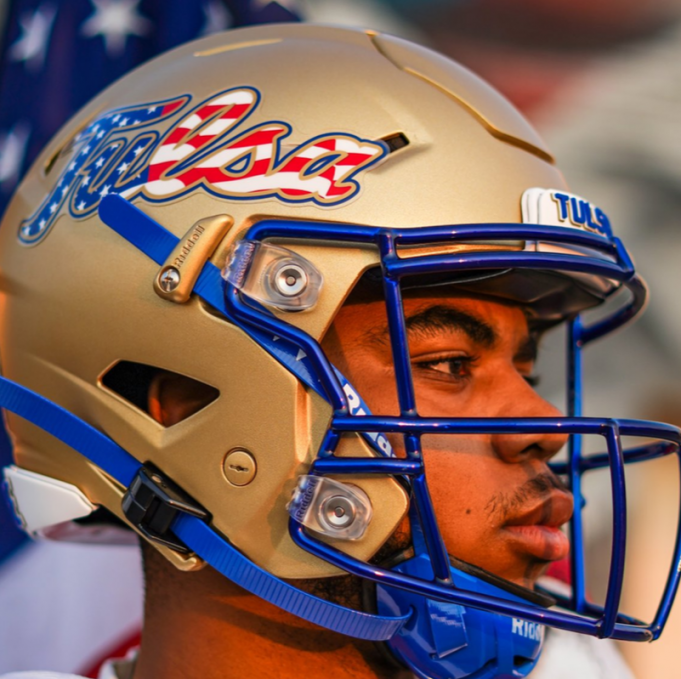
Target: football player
x,y
273,301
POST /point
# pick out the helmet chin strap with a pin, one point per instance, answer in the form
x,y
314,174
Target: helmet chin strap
x,y
194,532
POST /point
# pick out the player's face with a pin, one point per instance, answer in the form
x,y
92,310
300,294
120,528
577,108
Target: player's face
x,y
498,504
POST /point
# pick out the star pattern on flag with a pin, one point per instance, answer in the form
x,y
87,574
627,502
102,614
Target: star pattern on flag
x,y
32,45
12,152
217,17
57,55
115,21
99,165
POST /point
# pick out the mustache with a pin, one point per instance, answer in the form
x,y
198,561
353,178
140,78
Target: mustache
x,y
538,487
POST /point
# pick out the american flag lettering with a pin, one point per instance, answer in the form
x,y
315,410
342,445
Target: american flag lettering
x,y
110,154
203,149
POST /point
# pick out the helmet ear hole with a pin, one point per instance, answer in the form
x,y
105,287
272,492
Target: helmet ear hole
x,y
173,397
168,397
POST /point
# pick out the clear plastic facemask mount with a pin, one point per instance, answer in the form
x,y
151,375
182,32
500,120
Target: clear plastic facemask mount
x,y
273,275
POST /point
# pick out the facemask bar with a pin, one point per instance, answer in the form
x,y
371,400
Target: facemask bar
x,y
598,621
577,338
574,408
611,261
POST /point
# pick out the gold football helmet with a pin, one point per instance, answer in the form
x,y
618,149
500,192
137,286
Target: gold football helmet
x,y
296,160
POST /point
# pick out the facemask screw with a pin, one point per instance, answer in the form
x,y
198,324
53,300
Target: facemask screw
x,y
169,279
290,280
338,511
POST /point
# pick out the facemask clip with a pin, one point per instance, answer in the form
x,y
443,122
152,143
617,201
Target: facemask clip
x,y
273,275
337,510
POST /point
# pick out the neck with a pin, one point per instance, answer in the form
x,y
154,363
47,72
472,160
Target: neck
x,y
199,626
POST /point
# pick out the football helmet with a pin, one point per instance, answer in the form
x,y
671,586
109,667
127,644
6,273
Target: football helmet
x,y
208,215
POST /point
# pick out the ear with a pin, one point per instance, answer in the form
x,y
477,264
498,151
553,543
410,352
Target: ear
x,y
173,398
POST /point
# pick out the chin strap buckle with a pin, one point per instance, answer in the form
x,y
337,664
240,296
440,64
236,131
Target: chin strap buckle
x,y
151,504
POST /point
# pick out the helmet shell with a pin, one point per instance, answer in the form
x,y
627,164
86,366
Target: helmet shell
x,y
79,299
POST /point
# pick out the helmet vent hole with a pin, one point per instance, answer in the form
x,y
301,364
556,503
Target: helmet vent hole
x,y
52,161
166,396
395,142
64,148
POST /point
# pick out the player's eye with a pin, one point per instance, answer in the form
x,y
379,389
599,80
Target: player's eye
x,y
454,367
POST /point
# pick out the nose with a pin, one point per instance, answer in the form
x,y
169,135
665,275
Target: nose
x,y
521,401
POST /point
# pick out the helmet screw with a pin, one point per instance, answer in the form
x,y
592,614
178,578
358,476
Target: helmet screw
x,y
338,511
169,279
239,467
290,280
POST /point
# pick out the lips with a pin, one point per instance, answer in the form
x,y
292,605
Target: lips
x,y
536,530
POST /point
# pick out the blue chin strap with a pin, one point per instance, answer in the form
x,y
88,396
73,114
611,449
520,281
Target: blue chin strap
x,y
438,620
447,641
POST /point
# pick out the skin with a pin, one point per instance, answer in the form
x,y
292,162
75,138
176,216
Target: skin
x,y
498,505
470,358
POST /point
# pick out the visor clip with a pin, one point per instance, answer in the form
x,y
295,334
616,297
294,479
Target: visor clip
x,y
151,504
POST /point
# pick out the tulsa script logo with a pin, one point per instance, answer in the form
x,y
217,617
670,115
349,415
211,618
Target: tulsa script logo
x,y
204,148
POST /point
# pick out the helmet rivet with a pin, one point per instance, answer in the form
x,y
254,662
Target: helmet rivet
x,y
239,467
338,511
169,279
290,280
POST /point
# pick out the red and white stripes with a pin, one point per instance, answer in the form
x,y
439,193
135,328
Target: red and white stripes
x,y
250,164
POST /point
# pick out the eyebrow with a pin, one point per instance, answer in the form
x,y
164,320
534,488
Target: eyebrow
x,y
438,318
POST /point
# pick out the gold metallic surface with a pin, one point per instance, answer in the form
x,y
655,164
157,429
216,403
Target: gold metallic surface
x,y
500,117
239,467
490,127
190,254
238,46
81,299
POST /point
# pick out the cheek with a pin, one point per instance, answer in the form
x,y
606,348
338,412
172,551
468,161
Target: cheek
x,y
487,394
375,383
463,485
